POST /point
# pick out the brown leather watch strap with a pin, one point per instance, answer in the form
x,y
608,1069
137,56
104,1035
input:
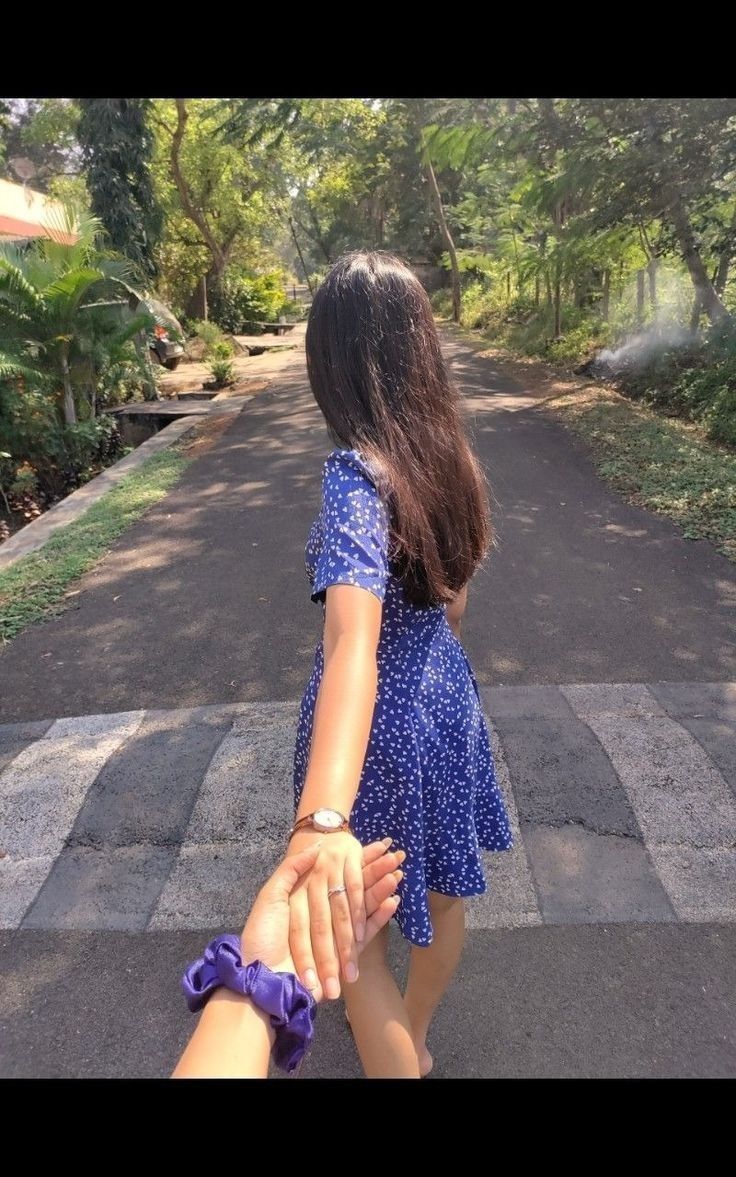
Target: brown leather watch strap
x,y
303,822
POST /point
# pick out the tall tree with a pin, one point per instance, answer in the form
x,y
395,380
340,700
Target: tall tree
x,y
117,145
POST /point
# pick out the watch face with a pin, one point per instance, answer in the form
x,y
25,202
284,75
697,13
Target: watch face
x,y
327,819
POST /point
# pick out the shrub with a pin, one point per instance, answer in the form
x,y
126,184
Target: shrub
x,y
242,299
221,364
43,457
207,331
695,379
441,301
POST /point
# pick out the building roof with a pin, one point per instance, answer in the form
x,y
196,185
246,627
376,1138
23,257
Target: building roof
x,y
25,213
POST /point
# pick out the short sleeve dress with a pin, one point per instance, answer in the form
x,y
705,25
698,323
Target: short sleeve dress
x,y
428,779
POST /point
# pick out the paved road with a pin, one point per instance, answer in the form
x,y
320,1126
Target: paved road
x,y
144,782
204,600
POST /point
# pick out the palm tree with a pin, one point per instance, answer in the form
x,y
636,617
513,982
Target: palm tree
x,y
53,311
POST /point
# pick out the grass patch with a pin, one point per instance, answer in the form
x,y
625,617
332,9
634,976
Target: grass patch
x,y
32,587
666,465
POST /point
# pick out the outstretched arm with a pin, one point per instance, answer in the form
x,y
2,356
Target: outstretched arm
x,y
323,923
233,1038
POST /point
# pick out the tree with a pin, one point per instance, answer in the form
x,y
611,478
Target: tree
x,y
55,310
215,195
39,143
117,147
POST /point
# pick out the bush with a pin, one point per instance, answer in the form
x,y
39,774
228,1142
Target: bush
x,y
208,332
243,299
44,458
441,301
695,379
221,364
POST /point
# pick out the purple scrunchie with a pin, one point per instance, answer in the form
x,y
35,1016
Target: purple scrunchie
x,y
291,1007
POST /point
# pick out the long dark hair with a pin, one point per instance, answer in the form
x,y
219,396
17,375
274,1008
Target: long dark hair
x,y
377,374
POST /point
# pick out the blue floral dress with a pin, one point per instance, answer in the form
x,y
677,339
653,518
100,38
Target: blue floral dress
x,y
428,780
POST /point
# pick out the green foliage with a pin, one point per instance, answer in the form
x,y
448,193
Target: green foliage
x,y
64,312
441,301
32,587
50,458
208,332
117,146
43,132
695,380
221,364
241,299
661,464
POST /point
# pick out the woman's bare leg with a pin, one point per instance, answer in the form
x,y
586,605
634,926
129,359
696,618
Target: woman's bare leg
x,y
432,968
378,1018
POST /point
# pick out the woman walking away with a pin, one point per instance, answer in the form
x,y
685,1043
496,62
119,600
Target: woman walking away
x,y
391,736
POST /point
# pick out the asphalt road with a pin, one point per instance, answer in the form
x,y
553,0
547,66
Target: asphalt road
x,y
605,945
205,599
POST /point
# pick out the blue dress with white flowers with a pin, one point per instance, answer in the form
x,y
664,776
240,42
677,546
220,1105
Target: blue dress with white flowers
x,y
428,779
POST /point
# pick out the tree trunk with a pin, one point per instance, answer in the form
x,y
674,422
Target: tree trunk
x,y
724,264
70,409
196,215
318,237
652,272
606,299
508,286
447,237
685,235
640,298
536,291
558,303
696,313
301,255
150,391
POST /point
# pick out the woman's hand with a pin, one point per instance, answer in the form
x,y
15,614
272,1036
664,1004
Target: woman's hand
x,y
265,936
328,913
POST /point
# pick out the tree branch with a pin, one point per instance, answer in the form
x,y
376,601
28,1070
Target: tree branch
x,y
196,216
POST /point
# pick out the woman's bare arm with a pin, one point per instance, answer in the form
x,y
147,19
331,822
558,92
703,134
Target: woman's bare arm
x,y
345,702
326,925
456,609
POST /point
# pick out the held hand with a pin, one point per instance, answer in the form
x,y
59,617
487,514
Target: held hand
x,y
328,912
265,936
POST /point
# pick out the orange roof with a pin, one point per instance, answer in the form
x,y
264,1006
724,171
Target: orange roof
x,y
26,213
12,227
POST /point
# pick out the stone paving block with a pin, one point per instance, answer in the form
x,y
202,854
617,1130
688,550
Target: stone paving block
x,y
20,882
212,885
147,789
95,725
93,889
525,702
14,737
510,900
247,792
562,774
43,788
677,793
717,737
268,716
629,699
583,877
685,701
701,883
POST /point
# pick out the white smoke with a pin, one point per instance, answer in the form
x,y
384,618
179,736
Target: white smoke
x,y
639,348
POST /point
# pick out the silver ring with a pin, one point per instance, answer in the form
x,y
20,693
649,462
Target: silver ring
x,y
336,890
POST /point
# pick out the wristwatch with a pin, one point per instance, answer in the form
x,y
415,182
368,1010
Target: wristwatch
x,y
324,821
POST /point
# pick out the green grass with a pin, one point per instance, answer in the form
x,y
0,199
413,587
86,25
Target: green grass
x,y
35,585
663,464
